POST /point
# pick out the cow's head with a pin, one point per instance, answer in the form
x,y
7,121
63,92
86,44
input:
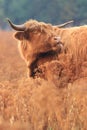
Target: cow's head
x,y
35,38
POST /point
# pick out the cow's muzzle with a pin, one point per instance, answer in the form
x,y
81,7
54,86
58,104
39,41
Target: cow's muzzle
x,y
57,39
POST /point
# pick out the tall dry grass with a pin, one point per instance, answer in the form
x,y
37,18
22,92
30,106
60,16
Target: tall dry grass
x,y
37,104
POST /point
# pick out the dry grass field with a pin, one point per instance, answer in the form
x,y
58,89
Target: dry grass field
x,y
37,104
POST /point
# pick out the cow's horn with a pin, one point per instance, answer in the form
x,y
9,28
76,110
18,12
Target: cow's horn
x,y
64,24
16,27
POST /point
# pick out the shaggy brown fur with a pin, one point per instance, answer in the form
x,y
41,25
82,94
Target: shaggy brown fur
x,y
72,64
37,39
75,41
33,25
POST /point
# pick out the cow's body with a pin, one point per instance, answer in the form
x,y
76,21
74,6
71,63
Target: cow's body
x,y
72,63
74,40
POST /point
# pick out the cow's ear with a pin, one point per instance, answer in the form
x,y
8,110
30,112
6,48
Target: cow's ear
x,y
19,35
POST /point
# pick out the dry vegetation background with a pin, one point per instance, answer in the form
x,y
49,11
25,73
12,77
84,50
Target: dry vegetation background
x,y
37,104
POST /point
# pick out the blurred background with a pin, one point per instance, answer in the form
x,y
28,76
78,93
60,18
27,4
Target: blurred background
x,y
50,11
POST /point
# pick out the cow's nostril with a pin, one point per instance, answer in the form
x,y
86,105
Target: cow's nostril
x,y
57,38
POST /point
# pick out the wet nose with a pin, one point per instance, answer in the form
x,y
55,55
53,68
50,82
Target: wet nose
x,y
57,39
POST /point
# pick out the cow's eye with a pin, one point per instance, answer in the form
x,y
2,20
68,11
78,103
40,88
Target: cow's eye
x,y
34,32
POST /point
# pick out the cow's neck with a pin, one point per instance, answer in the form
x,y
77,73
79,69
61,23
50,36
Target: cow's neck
x,y
47,57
